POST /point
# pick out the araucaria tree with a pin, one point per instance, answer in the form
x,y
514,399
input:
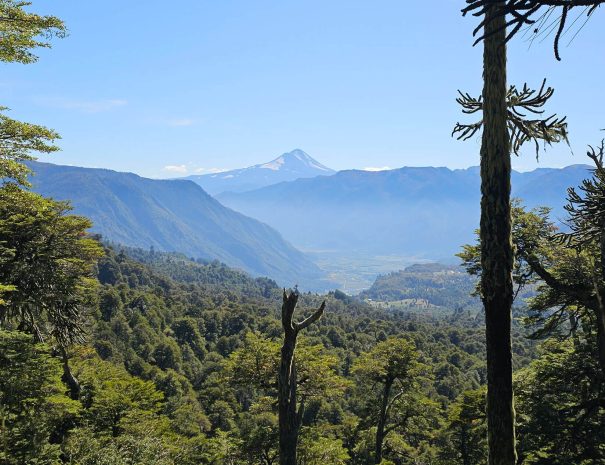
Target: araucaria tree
x,y
289,414
497,16
586,210
505,128
561,395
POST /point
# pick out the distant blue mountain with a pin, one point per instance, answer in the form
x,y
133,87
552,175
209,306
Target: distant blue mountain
x,y
423,212
287,167
174,216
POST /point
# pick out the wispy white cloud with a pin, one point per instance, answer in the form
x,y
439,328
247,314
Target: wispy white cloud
x,y
181,122
210,170
85,106
181,169
191,168
376,168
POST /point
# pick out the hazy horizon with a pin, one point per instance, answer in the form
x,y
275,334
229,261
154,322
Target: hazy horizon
x,y
176,175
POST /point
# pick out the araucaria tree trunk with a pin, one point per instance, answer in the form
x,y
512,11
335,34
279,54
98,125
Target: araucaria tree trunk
x,y
496,243
290,414
600,308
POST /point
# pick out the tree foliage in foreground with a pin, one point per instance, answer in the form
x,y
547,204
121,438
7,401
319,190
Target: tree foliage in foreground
x,y
562,406
567,267
48,259
34,409
21,32
391,382
17,141
184,372
561,396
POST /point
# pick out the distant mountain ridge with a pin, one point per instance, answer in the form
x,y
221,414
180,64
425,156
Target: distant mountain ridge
x,y
174,216
425,212
287,167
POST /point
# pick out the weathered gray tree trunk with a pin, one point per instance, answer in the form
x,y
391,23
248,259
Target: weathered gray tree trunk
x,y
496,243
289,413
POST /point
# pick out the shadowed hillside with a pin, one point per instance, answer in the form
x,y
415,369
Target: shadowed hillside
x,y
174,216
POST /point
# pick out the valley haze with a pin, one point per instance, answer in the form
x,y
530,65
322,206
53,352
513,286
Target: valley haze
x,y
299,222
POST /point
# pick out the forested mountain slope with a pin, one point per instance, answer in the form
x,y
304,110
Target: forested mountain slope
x,y
447,286
174,216
190,334
180,362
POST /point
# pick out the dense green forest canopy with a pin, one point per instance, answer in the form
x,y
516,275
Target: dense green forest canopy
x,y
180,366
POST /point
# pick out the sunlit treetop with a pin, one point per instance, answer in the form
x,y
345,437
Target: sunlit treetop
x,y
17,141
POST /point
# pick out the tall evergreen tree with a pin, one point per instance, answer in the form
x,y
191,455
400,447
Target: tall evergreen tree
x,y
496,246
505,129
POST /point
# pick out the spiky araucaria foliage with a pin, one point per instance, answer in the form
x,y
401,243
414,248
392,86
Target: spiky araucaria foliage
x,y
521,103
586,205
540,17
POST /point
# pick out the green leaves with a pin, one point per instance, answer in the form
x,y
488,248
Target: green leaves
x,y
17,141
466,430
48,259
257,362
22,31
390,360
562,406
531,231
392,385
33,403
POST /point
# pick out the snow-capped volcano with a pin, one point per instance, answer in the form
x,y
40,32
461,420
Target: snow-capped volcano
x,y
287,167
296,160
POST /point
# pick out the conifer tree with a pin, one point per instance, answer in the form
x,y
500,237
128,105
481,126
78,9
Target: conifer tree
x,y
505,129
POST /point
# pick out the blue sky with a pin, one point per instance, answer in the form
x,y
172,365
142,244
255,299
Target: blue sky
x,y
198,85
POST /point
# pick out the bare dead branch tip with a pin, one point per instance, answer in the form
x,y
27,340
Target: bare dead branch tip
x,y
523,12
